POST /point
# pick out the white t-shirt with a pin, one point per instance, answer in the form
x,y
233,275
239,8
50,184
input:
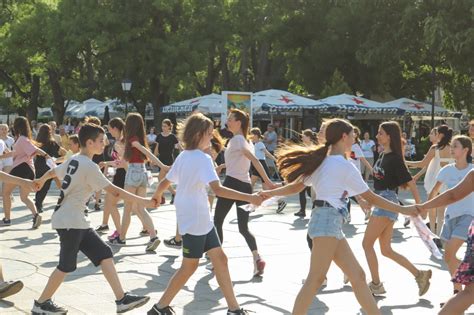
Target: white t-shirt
x,y
81,177
191,172
236,163
151,137
356,154
2,149
451,176
9,141
259,150
367,148
335,180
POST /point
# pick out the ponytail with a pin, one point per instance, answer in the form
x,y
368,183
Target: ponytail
x,y
296,161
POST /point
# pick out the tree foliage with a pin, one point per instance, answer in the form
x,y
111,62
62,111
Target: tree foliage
x,y
52,51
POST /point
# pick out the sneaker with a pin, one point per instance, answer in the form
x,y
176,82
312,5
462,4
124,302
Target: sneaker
x,y
407,222
281,206
300,214
160,311
97,207
47,307
172,199
163,200
8,288
37,219
173,243
240,311
423,281
113,235
376,288
153,244
101,229
39,209
259,267
6,222
130,301
210,267
325,282
117,241
145,232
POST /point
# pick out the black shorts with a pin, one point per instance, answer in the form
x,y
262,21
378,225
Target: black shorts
x,y
85,240
196,245
24,171
119,178
254,172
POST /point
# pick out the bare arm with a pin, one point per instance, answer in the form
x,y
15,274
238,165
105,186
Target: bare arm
x,y
367,164
414,191
418,175
258,166
423,163
383,203
269,155
286,190
4,177
126,196
458,192
149,155
228,193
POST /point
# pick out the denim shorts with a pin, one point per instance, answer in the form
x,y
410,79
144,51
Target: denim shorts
x,y
390,195
136,175
457,227
326,222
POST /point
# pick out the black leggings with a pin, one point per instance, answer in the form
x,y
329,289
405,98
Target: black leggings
x,y
303,193
224,205
41,194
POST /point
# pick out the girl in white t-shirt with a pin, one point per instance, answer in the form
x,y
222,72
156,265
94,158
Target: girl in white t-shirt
x,y
459,215
238,156
192,171
334,179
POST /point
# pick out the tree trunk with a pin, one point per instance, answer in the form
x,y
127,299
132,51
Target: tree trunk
x,y
91,83
159,99
224,68
262,66
58,98
211,70
33,103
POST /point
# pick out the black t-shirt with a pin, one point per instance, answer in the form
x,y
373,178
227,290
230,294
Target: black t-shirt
x,y
52,149
390,172
166,147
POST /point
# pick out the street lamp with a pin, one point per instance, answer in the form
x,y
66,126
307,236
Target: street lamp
x,y
8,95
126,87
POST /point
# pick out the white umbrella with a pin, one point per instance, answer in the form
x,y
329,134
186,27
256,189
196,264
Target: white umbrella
x,y
356,104
417,108
207,104
278,100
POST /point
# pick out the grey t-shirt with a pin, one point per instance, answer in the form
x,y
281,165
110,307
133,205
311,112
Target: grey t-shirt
x,y
80,177
271,141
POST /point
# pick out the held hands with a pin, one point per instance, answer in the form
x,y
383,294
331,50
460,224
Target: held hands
x,y
31,185
265,194
409,210
256,199
37,184
365,205
149,203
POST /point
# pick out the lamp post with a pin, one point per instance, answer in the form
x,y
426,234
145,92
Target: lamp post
x,y
8,95
126,87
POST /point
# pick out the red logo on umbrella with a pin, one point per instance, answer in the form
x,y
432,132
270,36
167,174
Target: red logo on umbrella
x,y
418,106
357,101
195,101
286,99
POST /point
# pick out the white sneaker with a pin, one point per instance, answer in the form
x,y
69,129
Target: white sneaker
x,y
376,288
346,279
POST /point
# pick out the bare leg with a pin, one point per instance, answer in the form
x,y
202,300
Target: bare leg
x,y
108,269
459,302
439,219
7,202
144,216
55,280
1,275
432,219
322,254
450,250
375,227
179,279
24,193
126,217
346,260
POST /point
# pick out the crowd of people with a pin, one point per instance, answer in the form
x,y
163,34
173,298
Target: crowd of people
x,y
332,167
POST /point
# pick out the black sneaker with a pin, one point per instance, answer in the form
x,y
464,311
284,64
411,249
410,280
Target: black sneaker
x,y
101,229
117,241
130,301
146,233
240,311
47,307
438,243
37,219
9,288
281,206
160,311
6,222
173,243
97,207
153,244
172,199
300,214
39,209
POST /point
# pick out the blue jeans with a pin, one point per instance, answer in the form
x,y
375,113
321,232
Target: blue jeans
x,y
390,195
326,222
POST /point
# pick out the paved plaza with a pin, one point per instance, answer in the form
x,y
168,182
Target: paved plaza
x,y
31,255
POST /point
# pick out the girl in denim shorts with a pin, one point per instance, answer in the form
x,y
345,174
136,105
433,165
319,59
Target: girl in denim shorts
x,y
136,179
459,215
390,172
334,179
465,272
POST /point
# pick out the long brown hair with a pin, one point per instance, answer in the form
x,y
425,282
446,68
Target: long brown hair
x,y
466,143
119,124
45,135
244,119
193,129
21,127
295,161
392,128
134,127
447,136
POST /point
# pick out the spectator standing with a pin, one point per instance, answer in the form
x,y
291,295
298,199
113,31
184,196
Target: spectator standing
x,y
368,147
64,136
270,139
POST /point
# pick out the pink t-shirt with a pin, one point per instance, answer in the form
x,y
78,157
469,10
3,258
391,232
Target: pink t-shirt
x,y
236,163
24,151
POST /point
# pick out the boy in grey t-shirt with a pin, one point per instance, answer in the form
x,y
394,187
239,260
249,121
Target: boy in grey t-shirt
x,y
80,178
